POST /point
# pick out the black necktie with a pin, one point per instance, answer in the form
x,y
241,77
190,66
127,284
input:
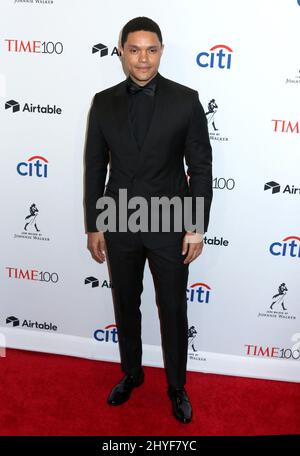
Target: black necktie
x,y
149,89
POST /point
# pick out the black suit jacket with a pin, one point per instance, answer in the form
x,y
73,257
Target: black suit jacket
x,y
178,129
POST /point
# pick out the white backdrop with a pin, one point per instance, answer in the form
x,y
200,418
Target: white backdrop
x,y
243,293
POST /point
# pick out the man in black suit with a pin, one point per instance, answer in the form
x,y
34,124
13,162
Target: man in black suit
x,y
144,127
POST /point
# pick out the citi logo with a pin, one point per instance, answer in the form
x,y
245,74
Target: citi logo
x,y
102,49
289,246
218,56
29,107
199,292
275,188
34,46
108,334
14,321
36,166
285,126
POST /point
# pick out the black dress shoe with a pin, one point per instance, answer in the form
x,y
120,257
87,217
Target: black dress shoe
x,y
121,392
182,409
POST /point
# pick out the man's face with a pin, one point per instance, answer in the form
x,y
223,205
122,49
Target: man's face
x,y
141,55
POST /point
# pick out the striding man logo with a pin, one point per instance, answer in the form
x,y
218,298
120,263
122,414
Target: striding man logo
x,y
278,298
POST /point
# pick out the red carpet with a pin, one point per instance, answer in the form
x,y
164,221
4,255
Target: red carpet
x,y
43,394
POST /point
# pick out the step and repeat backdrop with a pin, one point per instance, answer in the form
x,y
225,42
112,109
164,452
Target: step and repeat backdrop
x,y
243,293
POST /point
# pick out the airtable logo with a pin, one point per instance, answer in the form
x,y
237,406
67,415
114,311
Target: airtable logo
x,y
289,246
102,49
275,187
199,292
35,166
14,106
218,59
14,321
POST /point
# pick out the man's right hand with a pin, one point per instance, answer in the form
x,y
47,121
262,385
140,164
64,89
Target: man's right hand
x,y
96,245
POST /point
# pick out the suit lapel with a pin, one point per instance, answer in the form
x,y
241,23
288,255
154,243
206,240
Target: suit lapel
x,y
123,121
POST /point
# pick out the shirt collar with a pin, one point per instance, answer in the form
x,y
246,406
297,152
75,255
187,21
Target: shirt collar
x,y
154,81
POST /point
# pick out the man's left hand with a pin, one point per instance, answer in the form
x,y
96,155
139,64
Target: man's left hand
x,y
192,244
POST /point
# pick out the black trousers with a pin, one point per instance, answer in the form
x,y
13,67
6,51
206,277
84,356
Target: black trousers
x,y
126,257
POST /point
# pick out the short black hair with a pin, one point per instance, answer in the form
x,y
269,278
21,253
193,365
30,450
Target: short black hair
x,y
140,23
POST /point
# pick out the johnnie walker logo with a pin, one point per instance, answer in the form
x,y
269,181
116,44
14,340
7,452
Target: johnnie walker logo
x,y
31,229
278,307
212,120
193,349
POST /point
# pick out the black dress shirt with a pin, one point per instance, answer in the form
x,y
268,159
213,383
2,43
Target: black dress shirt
x,y
141,108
